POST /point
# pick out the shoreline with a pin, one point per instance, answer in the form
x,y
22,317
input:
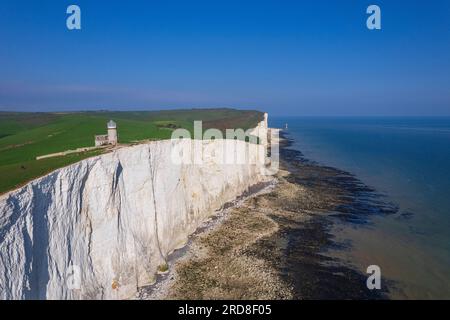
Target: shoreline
x,y
275,244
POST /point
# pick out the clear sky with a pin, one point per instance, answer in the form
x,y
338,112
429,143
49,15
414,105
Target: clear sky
x,y
285,57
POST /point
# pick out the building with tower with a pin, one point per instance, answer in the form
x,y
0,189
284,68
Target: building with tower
x,y
108,139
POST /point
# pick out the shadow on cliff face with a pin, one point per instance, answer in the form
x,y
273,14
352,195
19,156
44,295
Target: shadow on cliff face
x,y
37,259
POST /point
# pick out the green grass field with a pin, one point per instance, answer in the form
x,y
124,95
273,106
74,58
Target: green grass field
x,y
24,136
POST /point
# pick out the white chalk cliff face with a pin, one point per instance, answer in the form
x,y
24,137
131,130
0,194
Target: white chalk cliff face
x,y
99,229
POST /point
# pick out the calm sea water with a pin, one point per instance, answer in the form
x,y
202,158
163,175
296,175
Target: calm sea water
x,y
408,159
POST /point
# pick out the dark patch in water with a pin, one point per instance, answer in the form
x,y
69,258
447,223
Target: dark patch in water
x,y
417,231
405,215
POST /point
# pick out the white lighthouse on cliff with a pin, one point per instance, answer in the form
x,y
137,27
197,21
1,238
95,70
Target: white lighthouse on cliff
x,y
112,132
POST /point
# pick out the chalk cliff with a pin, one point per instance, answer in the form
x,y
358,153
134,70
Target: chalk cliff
x,y
98,229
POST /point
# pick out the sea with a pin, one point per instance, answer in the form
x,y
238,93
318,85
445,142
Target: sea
x,y
406,159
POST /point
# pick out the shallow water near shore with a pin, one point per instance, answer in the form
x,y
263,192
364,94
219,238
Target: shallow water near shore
x,y
408,161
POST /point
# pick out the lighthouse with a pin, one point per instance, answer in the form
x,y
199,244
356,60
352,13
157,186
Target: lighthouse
x,y
112,132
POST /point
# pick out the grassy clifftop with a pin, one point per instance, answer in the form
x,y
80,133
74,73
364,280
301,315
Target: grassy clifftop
x,y
24,136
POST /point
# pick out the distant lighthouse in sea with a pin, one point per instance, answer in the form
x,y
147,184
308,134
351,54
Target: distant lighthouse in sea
x,y
286,126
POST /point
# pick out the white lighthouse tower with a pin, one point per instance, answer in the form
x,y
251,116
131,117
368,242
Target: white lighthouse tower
x,y
112,132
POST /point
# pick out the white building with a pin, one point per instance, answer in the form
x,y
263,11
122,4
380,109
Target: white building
x,y
110,138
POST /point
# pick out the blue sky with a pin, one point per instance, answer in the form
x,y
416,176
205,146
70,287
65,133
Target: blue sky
x,y
284,57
